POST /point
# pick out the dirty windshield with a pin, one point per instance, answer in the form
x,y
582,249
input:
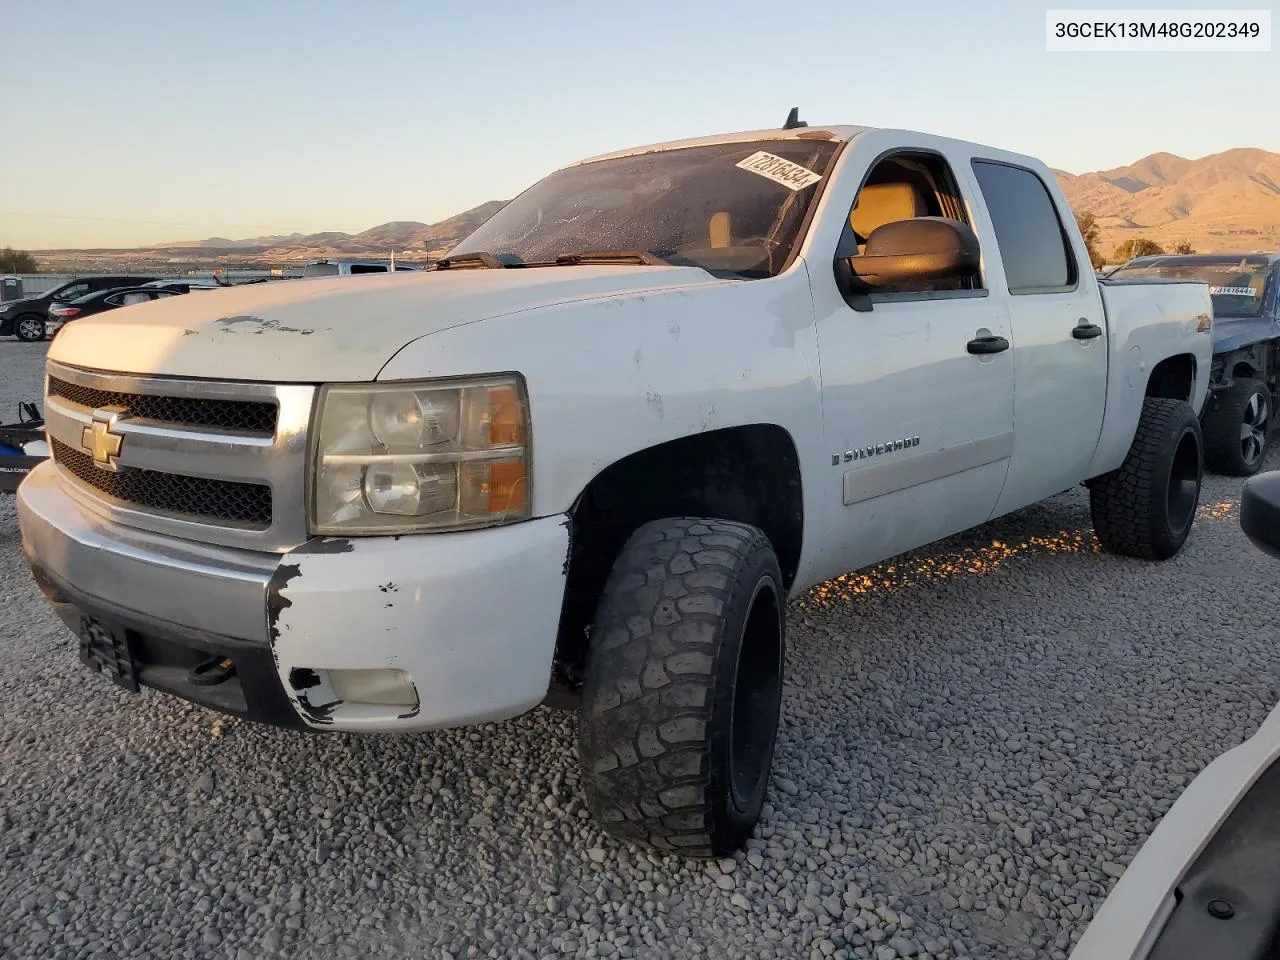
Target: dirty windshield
x,y
1238,287
728,207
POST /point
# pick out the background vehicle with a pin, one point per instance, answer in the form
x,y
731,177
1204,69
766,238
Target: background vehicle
x,y
346,268
1244,384
103,300
183,286
590,456
22,446
27,319
1207,881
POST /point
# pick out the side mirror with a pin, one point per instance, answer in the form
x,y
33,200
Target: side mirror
x,y
921,249
1260,511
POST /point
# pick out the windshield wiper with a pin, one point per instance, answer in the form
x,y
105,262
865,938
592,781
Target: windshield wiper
x,y
645,257
480,260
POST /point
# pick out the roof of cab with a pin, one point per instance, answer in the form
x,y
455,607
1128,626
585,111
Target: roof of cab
x,y
832,133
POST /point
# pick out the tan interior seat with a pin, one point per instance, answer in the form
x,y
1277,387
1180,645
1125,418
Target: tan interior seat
x,y
881,203
719,230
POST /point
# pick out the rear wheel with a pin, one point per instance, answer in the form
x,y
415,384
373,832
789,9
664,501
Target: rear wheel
x,y
683,687
1236,426
1146,507
29,328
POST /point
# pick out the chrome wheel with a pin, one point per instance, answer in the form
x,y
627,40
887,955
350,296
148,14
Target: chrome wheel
x,y
30,328
1253,428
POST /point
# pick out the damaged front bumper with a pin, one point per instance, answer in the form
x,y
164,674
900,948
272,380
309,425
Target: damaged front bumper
x,y
375,634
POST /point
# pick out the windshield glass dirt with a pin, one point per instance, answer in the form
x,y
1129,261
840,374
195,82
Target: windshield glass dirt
x,y
734,207
1238,288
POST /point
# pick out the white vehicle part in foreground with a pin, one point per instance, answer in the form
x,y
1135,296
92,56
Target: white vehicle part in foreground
x,y
1133,916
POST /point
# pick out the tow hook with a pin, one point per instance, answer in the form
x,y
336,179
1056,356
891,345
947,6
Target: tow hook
x,y
211,672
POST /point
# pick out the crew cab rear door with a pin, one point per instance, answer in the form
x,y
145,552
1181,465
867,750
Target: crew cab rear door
x,y
917,382
1059,329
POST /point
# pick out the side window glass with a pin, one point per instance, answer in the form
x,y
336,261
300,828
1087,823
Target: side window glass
x,y
368,268
1029,234
903,187
72,292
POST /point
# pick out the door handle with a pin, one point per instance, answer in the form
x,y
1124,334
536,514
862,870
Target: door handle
x,y
1086,331
987,345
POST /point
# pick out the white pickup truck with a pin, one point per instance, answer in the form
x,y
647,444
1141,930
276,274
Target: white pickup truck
x,y
589,457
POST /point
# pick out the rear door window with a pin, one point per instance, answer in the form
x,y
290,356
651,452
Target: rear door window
x,y
1029,234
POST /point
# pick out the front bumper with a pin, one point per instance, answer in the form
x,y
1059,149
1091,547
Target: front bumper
x,y
465,622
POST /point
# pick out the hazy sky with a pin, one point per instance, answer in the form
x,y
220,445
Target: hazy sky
x,y
139,121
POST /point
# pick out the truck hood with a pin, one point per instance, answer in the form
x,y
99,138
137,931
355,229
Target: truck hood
x,y
332,329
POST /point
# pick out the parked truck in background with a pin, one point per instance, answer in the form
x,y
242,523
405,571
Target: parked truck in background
x,y
1244,380
350,268
588,458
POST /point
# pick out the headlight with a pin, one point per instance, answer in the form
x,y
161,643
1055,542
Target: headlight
x,y
436,455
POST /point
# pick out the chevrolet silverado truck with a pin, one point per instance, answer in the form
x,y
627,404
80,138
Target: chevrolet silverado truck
x,y
588,458
1244,379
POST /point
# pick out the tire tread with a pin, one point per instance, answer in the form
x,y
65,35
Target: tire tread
x,y
1221,425
650,692
1126,503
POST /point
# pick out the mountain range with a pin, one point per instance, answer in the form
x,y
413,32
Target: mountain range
x,y
398,235
1227,202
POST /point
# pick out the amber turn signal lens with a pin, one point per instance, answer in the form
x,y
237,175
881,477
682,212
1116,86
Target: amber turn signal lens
x,y
505,418
506,487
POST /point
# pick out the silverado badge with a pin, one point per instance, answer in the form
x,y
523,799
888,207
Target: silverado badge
x,y
861,453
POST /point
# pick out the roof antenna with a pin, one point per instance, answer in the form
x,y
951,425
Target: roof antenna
x,y
793,120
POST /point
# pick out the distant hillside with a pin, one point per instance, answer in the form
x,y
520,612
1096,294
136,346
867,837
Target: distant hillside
x,y
1228,202
399,235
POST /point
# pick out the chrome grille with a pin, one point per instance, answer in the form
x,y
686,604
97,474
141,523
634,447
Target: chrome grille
x,y
220,462
253,416
217,500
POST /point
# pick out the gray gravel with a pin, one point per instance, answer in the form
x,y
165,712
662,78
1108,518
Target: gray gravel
x,y
977,739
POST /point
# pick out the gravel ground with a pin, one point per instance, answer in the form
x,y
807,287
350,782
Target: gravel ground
x,y
977,739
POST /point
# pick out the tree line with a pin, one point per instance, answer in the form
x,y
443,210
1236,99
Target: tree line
x,y
17,261
1135,247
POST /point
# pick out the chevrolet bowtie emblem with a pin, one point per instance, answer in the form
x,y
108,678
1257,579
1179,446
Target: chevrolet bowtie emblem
x,y
100,440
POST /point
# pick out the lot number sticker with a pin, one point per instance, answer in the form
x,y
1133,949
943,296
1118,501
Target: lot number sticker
x,y
790,175
1233,291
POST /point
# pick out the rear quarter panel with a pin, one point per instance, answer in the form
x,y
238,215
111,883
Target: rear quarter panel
x,y
1147,321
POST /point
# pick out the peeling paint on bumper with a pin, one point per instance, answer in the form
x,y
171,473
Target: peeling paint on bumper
x,y
470,619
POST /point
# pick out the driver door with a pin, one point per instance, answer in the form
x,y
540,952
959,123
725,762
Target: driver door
x,y
919,425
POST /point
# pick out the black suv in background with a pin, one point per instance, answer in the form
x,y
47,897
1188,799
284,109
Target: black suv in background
x,y
28,319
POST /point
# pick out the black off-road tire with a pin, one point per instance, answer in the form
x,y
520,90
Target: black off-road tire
x,y
30,328
683,687
1146,507
1237,425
